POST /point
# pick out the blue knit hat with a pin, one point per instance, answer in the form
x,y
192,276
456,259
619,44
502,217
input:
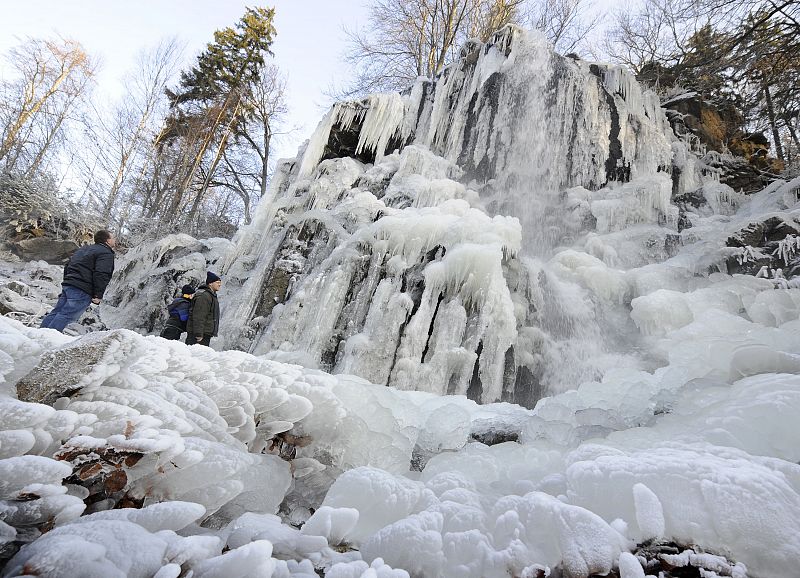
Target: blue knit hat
x,y
187,290
211,278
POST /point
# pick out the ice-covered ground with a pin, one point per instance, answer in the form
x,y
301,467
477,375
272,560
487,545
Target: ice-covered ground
x,y
382,482
124,454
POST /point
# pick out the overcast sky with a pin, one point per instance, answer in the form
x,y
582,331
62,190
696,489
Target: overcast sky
x,y
308,45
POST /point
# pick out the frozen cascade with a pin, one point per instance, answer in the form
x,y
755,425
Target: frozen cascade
x,y
663,375
446,206
485,233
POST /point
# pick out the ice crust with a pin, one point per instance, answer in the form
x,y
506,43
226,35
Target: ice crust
x,y
674,386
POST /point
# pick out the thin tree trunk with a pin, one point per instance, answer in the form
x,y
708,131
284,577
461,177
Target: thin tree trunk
x,y
47,143
25,115
223,141
265,163
793,134
776,137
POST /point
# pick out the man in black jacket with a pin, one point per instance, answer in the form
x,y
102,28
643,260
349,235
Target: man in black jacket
x,y
86,276
203,321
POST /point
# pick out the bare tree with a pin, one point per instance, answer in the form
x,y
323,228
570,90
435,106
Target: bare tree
x,y
405,39
247,163
566,23
51,77
410,38
743,55
122,135
659,31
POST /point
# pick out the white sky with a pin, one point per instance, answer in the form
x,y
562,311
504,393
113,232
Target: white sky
x,y
308,45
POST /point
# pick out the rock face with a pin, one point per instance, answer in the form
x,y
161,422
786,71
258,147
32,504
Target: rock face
x,y
393,246
28,290
55,251
37,225
146,279
745,165
768,248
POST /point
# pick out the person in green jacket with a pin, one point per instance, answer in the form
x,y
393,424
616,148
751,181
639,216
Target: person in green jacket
x,y
203,321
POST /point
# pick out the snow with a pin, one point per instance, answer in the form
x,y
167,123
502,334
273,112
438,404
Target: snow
x,y
718,469
663,391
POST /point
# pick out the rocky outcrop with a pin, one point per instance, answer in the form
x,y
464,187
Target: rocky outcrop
x,y
55,251
738,173
671,560
769,248
28,290
38,224
146,279
746,166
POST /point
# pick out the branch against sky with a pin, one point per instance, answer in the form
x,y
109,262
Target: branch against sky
x,y
404,39
52,77
123,132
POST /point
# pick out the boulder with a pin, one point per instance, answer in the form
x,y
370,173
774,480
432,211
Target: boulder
x,y
12,302
762,233
53,251
739,174
761,241
68,369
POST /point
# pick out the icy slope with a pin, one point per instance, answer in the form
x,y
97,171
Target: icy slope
x,y
701,451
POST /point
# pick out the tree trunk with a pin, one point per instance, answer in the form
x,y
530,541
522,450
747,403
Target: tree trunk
x,y
265,163
776,137
793,134
26,113
217,157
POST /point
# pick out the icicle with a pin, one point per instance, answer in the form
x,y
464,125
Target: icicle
x,y
316,144
383,121
788,247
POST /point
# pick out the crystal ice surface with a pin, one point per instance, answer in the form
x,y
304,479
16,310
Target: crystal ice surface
x,y
521,245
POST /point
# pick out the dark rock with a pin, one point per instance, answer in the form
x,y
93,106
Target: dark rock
x,y
491,437
738,174
663,559
749,168
758,234
765,237
688,202
274,291
19,288
343,141
695,199
53,251
67,370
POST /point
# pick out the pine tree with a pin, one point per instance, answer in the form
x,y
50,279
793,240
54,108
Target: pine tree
x,y
209,106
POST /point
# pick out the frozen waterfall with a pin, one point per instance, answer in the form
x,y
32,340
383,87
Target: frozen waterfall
x,y
524,228
417,240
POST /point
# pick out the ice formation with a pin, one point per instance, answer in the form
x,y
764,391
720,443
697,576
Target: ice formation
x,y
408,241
510,231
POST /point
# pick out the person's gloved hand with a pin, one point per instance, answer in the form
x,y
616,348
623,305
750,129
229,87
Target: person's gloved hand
x,y
96,300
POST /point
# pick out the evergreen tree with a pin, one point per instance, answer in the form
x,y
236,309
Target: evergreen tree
x,y
208,107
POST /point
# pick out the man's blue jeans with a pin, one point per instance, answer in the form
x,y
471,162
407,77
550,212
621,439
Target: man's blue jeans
x,y
71,304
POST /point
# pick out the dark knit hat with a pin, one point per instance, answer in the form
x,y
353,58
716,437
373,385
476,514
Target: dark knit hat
x,y
211,277
187,290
